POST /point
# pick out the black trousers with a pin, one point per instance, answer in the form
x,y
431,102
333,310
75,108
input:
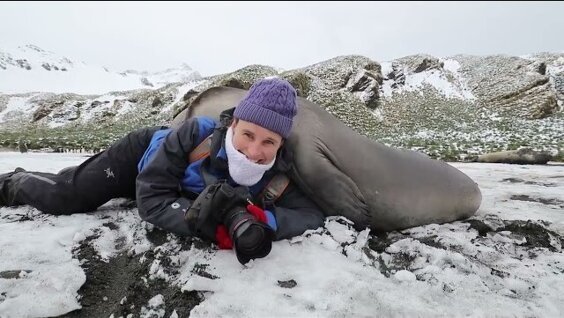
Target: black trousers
x,y
104,176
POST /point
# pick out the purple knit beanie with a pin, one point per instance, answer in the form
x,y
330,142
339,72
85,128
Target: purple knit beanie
x,y
270,103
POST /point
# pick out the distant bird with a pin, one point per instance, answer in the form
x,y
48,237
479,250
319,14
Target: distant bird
x,y
22,147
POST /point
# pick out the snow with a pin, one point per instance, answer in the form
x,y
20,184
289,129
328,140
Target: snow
x,y
81,79
181,91
54,276
92,107
104,103
386,68
125,109
74,77
453,66
154,308
16,105
405,275
436,79
182,74
328,272
454,87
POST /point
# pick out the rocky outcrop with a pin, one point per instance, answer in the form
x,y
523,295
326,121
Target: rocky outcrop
x,y
45,109
366,86
300,81
420,63
348,88
558,82
335,73
510,85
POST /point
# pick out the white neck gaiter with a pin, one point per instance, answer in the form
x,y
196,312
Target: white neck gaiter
x,y
242,170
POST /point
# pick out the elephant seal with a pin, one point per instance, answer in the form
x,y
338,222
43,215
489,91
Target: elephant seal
x,y
347,174
524,156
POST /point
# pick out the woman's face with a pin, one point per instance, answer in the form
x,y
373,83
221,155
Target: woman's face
x,y
259,144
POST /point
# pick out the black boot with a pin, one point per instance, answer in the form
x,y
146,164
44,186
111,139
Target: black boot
x,y
4,188
5,183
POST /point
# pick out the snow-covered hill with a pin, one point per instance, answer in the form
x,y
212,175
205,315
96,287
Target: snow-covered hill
x,y
450,108
31,69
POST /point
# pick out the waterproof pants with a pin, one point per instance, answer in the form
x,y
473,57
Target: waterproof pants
x,y
104,176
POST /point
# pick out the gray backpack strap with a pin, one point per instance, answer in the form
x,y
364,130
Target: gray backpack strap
x,y
275,187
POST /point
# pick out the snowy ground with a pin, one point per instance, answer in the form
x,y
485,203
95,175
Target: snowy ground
x,y
506,261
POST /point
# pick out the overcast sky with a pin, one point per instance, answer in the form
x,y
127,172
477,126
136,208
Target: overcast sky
x,y
216,37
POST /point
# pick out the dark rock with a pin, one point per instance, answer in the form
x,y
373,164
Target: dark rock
x,y
201,270
380,241
397,74
367,83
13,274
146,82
107,114
235,82
361,81
191,93
301,82
23,63
45,109
431,241
499,273
540,68
545,108
156,102
287,283
428,63
95,103
482,228
374,67
535,234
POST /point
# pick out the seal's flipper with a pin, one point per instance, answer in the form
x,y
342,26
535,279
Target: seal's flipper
x,y
319,177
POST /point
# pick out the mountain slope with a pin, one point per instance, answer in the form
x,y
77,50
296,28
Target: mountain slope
x,y
449,108
32,69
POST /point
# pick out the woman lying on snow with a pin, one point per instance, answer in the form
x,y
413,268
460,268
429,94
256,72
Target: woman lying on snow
x,y
224,182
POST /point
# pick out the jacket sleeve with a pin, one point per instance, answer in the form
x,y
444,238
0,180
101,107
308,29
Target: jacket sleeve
x,y
158,191
295,213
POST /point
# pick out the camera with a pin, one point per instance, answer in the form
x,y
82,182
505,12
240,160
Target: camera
x,y
222,203
252,239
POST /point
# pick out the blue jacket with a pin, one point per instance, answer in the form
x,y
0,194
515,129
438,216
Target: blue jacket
x,y
167,183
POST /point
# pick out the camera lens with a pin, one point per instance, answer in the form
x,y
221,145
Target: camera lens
x,y
251,238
